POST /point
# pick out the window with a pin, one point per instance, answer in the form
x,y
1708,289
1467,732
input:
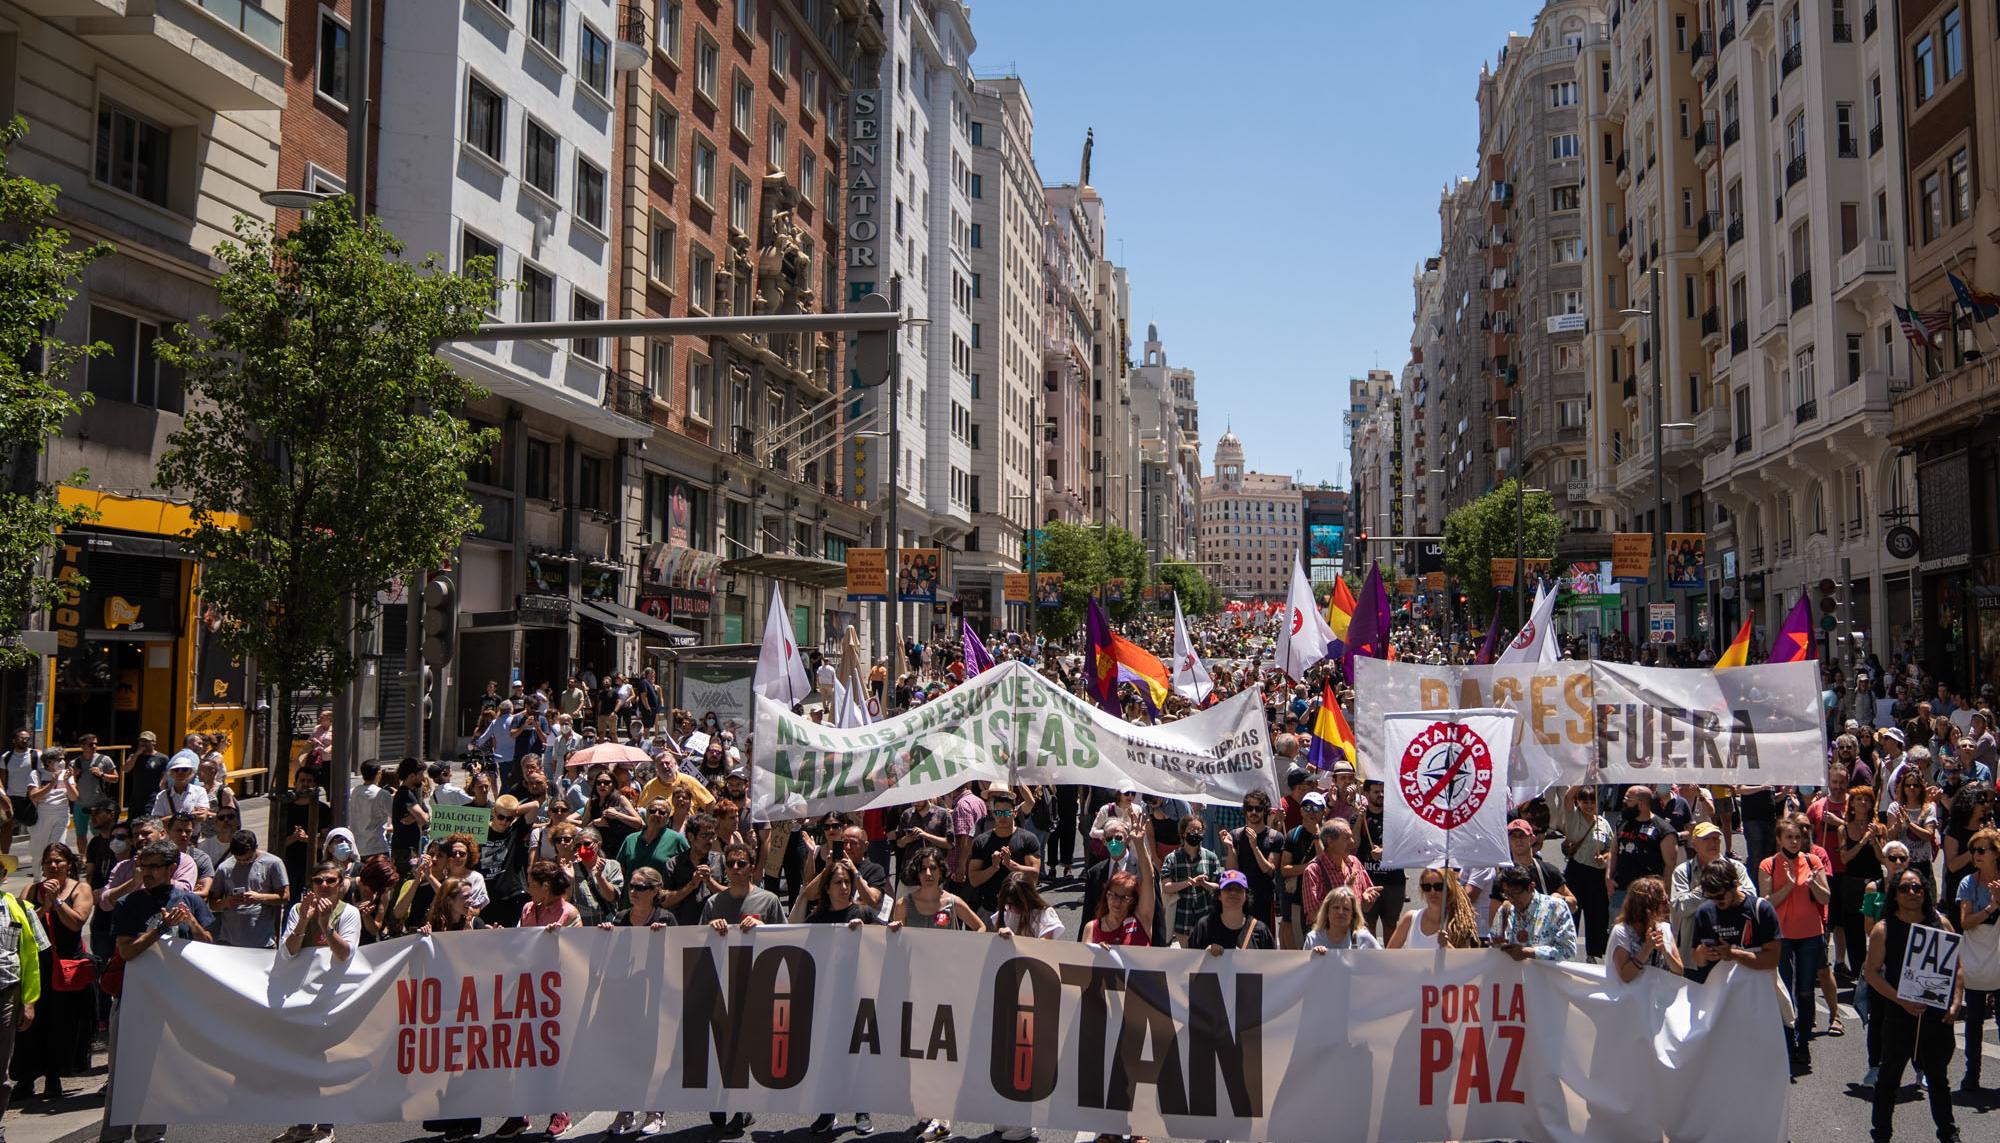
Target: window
x,y
538,295
670,29
774,143
485,118
130,371
977,242
978,187
1567,302
701,387
1562,94
545,24
1569,414
593,59
743,108
1566,250
808,172
1953,33
978,133
1923,73
1563,146
1958,184
739,203
590,482
332,79
471,247
809,91
583,307
1854,362
590,194
746,15
541,466
1686,117
701,279
707,67
704,172
1930,206
1843,130
660,251
538,158
133,154
1566,198
781,50
660,369
666,138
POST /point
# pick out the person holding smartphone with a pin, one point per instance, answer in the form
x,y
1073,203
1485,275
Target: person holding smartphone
x,y
1730,927
158,908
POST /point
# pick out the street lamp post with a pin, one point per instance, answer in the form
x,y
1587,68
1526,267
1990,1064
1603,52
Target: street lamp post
x,y
1660,426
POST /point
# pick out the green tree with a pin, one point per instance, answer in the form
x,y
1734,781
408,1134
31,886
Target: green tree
x,y
39,270
1087,557
1198,596
1485,530
321,418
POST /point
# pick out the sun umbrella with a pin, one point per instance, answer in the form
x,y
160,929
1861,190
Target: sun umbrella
x,y
604,754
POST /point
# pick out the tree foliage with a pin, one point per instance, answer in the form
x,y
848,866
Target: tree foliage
x,y
39,269
1088,557
1485,530
1197,595
320,413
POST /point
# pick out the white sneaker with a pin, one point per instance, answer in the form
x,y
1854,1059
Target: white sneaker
x,y
656,1123
622,1123
295,1134
320,1135
934,1130
1017,1134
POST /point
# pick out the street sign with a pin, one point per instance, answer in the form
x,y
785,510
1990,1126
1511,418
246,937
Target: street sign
x,y
1660,621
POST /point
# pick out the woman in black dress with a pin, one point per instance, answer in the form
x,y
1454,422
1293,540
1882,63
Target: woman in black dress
x,y
48,1047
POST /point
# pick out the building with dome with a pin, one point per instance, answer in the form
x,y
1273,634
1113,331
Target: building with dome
x,y
1250,525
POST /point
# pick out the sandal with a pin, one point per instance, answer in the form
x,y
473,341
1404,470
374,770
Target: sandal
x,y
1835,1027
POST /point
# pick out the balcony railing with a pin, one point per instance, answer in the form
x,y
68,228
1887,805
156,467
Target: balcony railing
x,y
1843,33
1868,22
1872,256
1739,337
1802,291
1731,132
1711,322
1795,170
1727,36
1847,145
1704,43
1624,162
1708,225
744,441
1793,57
1875,138
1704,135
1742,444
249,18
1806,412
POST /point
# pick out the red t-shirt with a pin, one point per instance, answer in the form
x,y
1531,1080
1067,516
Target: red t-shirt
x,y
1799,916
1129,933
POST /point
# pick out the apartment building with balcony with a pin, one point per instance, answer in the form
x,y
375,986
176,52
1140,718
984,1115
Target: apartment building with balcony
x,y
734,131
1462,386
1069,249
1004,290
1250,526
1642,104
158,121
1426,436
1949,52
1535,153
1799,249
1164,509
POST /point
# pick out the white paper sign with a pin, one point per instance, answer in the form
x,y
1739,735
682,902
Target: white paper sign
x,y
1445,788
1930,963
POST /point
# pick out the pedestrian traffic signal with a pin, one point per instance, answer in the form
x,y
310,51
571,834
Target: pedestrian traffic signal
x,y
440,620
869,351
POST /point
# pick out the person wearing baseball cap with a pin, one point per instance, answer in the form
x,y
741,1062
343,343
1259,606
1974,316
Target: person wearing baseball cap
x,y
1524,842
1230,926
1301,846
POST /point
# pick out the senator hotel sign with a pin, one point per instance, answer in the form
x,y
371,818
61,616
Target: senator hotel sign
x,y
864,159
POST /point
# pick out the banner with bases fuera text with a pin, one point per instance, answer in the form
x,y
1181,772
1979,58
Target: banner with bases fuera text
x,y
1589,720
1008,724
1401,1045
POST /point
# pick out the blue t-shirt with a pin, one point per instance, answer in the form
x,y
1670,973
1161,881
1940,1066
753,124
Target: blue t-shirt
x,y
135,913
1971,892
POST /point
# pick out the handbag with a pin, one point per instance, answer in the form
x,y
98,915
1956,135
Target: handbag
x,y
73,975
111,981
1979,958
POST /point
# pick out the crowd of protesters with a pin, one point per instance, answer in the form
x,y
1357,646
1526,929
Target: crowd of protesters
x,y
1817,885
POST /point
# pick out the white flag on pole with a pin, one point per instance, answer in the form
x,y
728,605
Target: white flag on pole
x,y
781,673
1536,642
1445,788
1303,633
1191,680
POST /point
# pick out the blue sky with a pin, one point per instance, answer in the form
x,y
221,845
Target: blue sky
x,y
1271,174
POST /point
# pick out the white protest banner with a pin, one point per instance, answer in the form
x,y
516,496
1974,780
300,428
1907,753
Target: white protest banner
x,y
1590,721
448,820
1402,1045
1930,965
1007,725
1445,789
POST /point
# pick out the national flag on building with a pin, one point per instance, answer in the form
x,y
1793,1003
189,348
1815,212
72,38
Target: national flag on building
x,y
1977,303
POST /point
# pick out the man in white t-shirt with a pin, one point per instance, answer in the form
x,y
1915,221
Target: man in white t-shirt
x,y
368,811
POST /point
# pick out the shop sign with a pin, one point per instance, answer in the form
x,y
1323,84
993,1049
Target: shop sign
x,y
548,574
599,582
864,157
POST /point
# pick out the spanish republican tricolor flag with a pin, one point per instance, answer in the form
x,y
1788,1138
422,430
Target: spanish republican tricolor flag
x,y
1737,654
1340,608
1115,659
1795,639
1330,731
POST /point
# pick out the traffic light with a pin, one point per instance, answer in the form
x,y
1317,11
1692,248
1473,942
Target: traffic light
x,y
863,472
429,692
869,352
440,621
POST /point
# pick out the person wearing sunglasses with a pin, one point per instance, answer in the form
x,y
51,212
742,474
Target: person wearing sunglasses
x,y
1979,919
157,907
746,905
1442,919
1973,809
1912,1031
1730,926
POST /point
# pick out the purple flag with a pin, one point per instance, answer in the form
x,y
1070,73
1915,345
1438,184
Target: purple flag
x,y
977,657
1491,644
1368,632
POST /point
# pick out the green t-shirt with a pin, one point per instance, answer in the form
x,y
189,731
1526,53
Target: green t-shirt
x,y
659,854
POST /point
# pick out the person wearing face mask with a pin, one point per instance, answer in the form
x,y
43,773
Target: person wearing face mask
x,y
340,849
1193,872
1123,857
